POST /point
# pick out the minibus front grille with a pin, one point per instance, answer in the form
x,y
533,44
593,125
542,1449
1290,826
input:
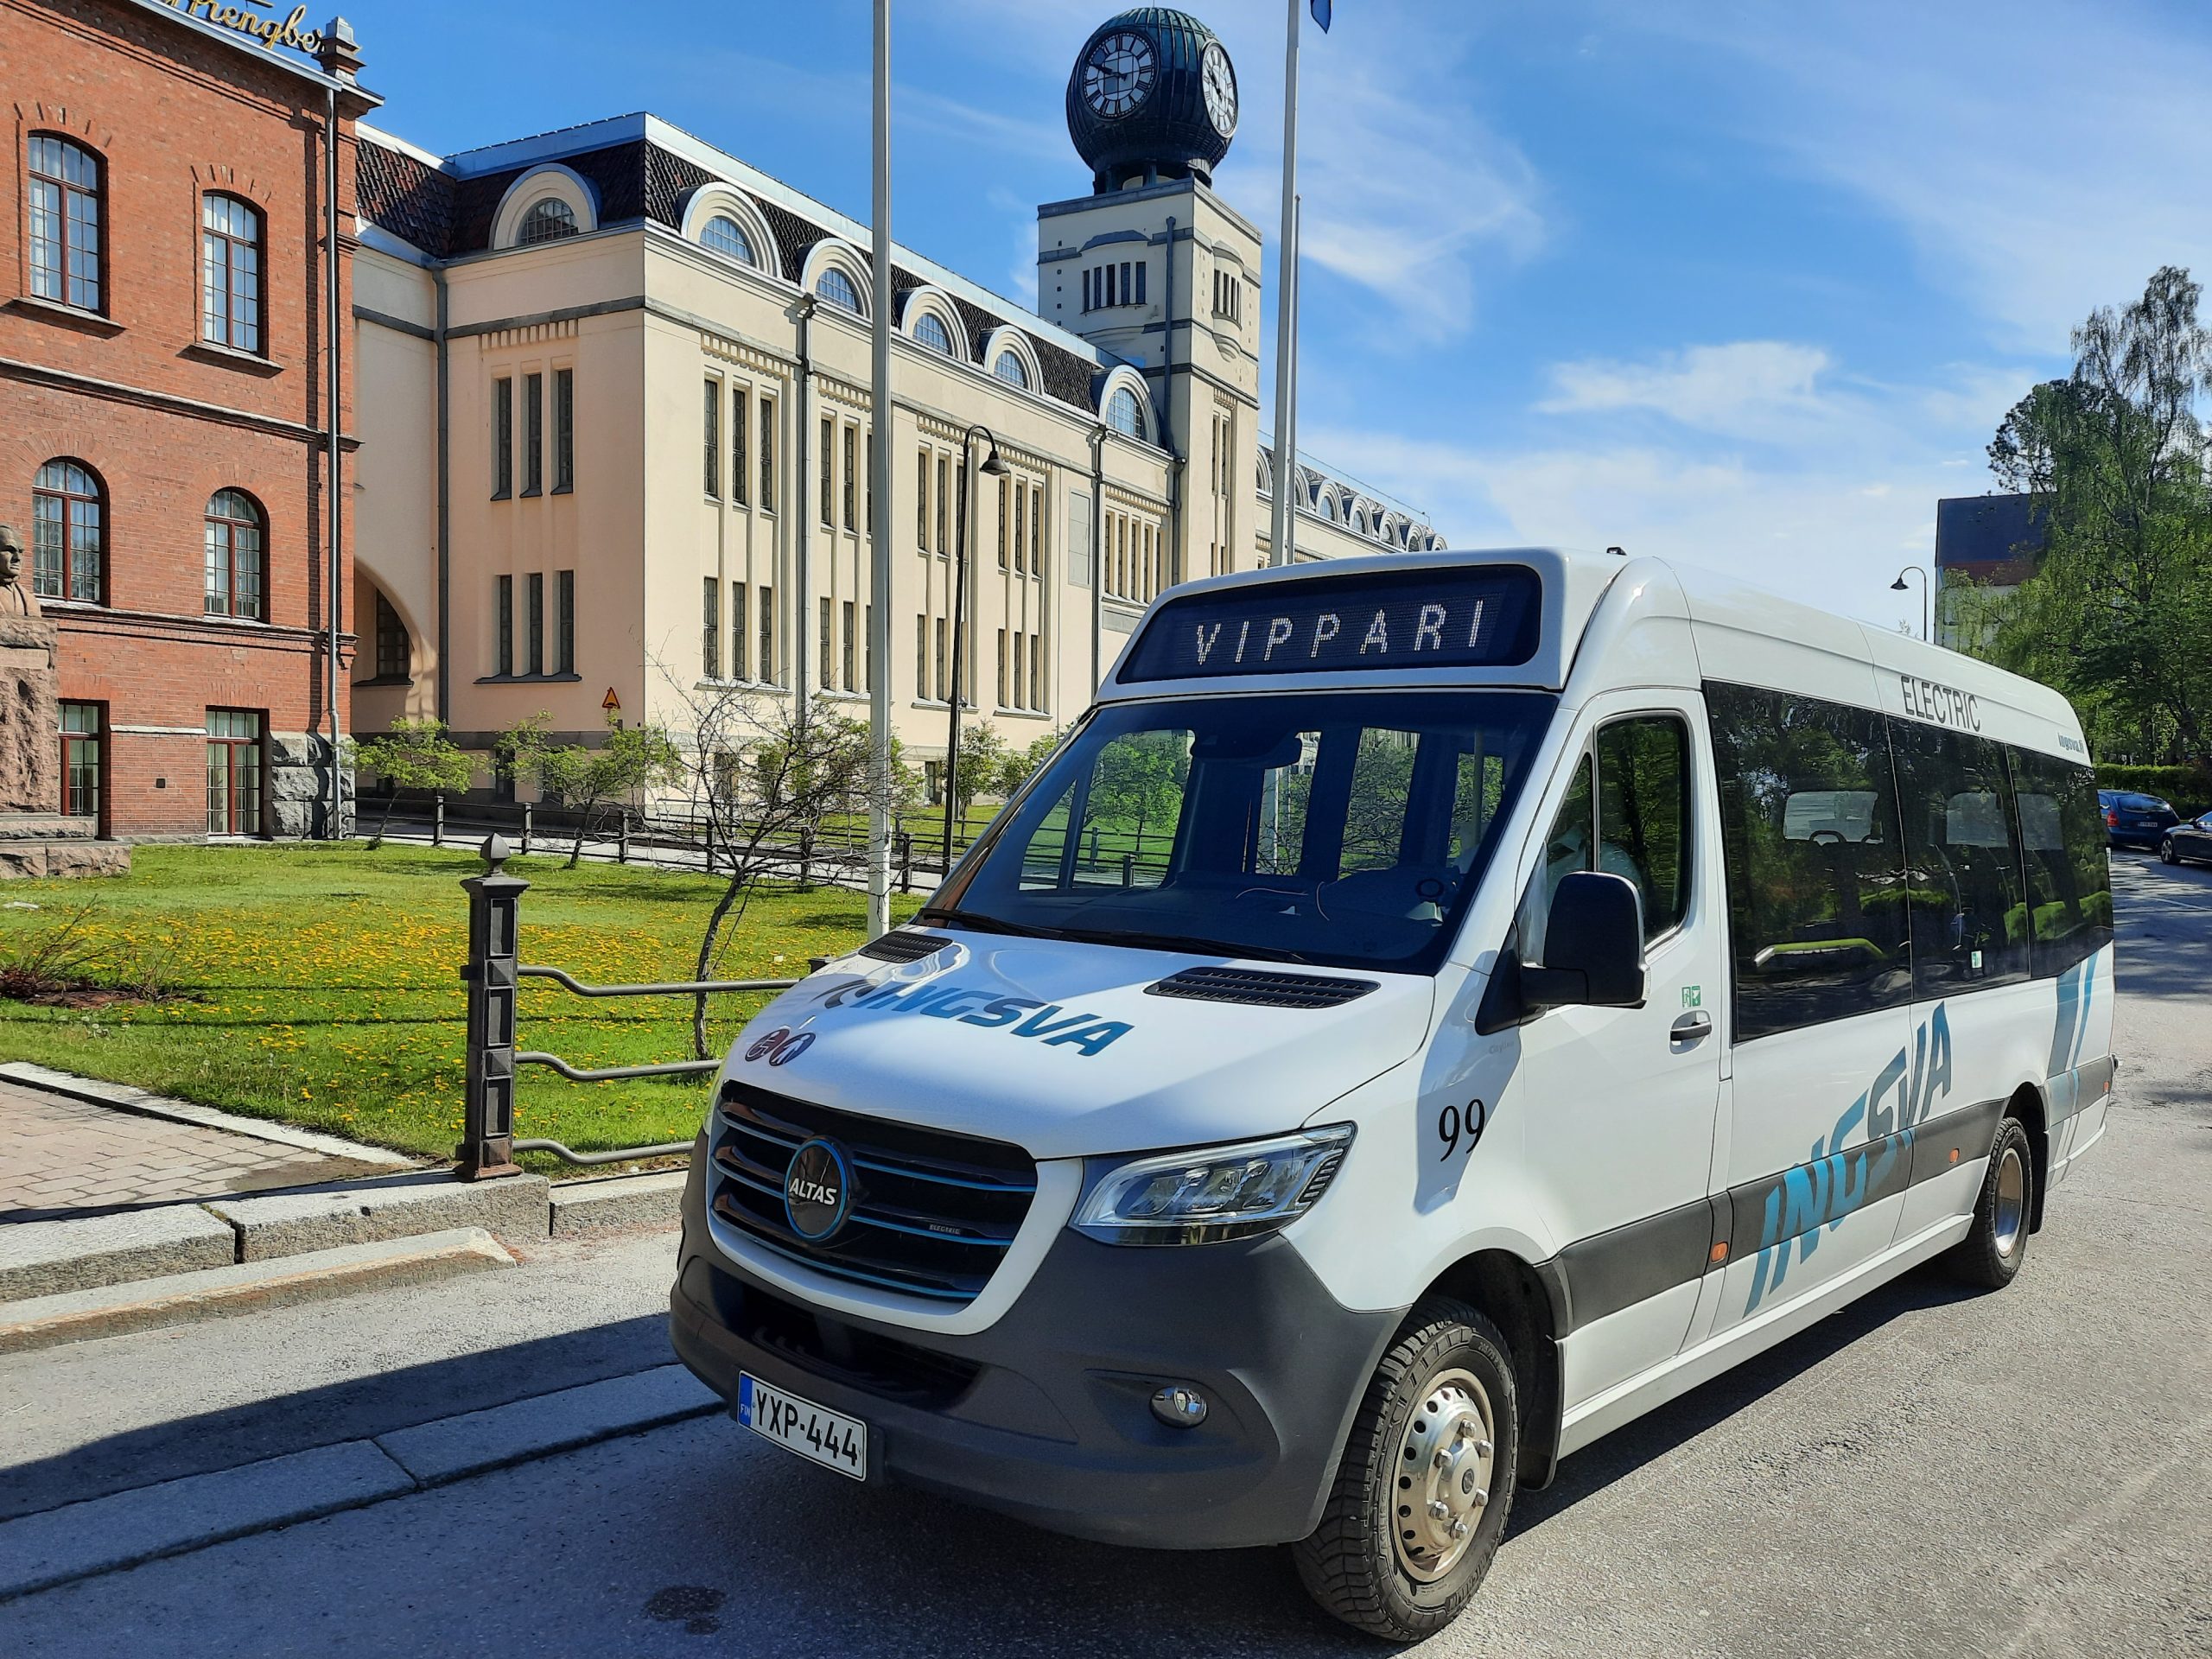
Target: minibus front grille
x,y
1261,988
903,945
931,1214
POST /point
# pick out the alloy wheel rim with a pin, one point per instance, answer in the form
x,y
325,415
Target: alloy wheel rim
x,y
2011,1201
1443,1475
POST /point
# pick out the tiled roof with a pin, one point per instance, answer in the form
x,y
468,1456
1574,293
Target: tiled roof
x,y
408,197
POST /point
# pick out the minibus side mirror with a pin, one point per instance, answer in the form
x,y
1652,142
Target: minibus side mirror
x,y
1593,946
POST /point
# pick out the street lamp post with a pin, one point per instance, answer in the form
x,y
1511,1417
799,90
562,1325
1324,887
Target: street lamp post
x,y
1899,587
992,467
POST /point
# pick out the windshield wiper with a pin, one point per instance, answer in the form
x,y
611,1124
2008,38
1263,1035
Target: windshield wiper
x,y
982,923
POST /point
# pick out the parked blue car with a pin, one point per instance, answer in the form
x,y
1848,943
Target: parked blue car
x,y
2133,820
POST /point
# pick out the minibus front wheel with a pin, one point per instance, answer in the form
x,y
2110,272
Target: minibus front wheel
x,y
1426,1481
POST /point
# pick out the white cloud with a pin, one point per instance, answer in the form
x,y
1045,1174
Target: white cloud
x,y
1760,458
1745,388
2041,165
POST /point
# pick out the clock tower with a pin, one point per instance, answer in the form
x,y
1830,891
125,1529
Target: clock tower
x,y
1155,268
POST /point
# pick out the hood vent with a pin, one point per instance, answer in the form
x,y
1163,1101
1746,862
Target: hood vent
x,y
902,945
1261,987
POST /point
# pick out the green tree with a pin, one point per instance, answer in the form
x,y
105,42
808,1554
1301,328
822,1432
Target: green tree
x,y
634,758
414,754
985,756
515,752
2119,614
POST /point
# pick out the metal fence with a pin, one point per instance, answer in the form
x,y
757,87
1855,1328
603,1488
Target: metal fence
x,y
493,974
837,854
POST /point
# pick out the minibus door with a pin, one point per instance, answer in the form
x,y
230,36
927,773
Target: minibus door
x,y
1621,1101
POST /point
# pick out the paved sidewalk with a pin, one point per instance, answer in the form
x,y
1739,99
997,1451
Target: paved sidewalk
x,y
61,1158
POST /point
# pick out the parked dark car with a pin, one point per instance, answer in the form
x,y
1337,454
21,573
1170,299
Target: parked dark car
x,y
2133,820
2187,843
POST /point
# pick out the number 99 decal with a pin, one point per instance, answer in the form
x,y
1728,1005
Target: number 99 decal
x,y
1459,1128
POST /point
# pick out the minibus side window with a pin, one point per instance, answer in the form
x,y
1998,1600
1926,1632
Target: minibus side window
x,y
2070,874
1566,849
1643,814
1816,893
1969,919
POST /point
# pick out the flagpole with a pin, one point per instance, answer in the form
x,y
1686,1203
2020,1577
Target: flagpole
x,y
1285,517
879,527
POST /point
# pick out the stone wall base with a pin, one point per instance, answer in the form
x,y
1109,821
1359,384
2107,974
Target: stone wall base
x,y
72,857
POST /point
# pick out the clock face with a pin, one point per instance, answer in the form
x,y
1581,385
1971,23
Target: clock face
x,y
1221,89
1118,74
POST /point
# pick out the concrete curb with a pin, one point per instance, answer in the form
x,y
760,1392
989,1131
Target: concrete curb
x,y
421,1201
647,1200
74,1316
104,1534
146,1103
45,1258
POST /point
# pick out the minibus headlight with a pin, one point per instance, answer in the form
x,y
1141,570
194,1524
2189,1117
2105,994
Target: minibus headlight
x,y
1214,1192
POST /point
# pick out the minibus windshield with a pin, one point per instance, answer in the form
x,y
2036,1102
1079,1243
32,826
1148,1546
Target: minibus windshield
x,y
1345,828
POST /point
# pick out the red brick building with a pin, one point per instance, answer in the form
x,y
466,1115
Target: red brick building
x,y
166,416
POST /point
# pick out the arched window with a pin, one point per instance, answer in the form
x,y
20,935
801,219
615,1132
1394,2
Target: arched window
x,y
836,287
66,222
546,221
230,273
929,330
235,556
1008,368
68,533
724,235
1328,503
1124,414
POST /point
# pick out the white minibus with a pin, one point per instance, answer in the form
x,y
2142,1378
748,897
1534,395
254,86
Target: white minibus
x,y
1429,1011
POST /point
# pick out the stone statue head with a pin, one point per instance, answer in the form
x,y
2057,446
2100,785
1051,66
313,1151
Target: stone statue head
x,y
15,597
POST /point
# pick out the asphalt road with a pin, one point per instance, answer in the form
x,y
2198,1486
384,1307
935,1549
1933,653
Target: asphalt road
x,y
1929,1473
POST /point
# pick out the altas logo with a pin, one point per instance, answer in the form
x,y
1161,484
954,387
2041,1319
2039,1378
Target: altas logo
x,y
815,1190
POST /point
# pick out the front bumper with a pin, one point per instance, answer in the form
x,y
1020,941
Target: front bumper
x,y
1047,1414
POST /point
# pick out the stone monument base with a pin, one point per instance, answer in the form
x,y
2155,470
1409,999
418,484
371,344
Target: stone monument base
x,y
49,843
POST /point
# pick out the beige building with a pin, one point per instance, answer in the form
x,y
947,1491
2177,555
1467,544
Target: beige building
x,y
613,388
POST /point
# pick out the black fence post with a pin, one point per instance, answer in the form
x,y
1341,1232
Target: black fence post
x,y
905,863
622,838
494,947
438,822
711,841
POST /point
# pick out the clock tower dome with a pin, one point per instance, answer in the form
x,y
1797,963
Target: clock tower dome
x,y
1153,96
1155,268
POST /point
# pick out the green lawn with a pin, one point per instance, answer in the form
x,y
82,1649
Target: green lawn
x,y
324,989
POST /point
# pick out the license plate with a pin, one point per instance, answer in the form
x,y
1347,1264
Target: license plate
x,y
828,1438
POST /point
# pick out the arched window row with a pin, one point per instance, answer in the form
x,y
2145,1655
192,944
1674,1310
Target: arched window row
x,y
67,235
69,544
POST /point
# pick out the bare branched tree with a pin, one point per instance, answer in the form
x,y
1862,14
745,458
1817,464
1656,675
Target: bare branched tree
x,y
763,778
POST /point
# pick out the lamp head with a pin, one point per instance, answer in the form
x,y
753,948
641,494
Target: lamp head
x,y
993,466
1899,587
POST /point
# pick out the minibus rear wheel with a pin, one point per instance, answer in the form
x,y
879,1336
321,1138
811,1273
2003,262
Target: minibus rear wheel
x,y
1421,1496
1990,1255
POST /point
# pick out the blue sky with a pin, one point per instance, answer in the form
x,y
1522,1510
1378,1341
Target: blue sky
x,y
1742,282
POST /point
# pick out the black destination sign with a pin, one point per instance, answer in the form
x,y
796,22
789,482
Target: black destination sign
x,y
1483,618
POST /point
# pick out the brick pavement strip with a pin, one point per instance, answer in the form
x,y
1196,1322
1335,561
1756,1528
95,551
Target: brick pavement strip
x,y
58,1152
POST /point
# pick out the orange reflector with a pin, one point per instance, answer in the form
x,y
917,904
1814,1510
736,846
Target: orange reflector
x,y
1720,1253
1955,1154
